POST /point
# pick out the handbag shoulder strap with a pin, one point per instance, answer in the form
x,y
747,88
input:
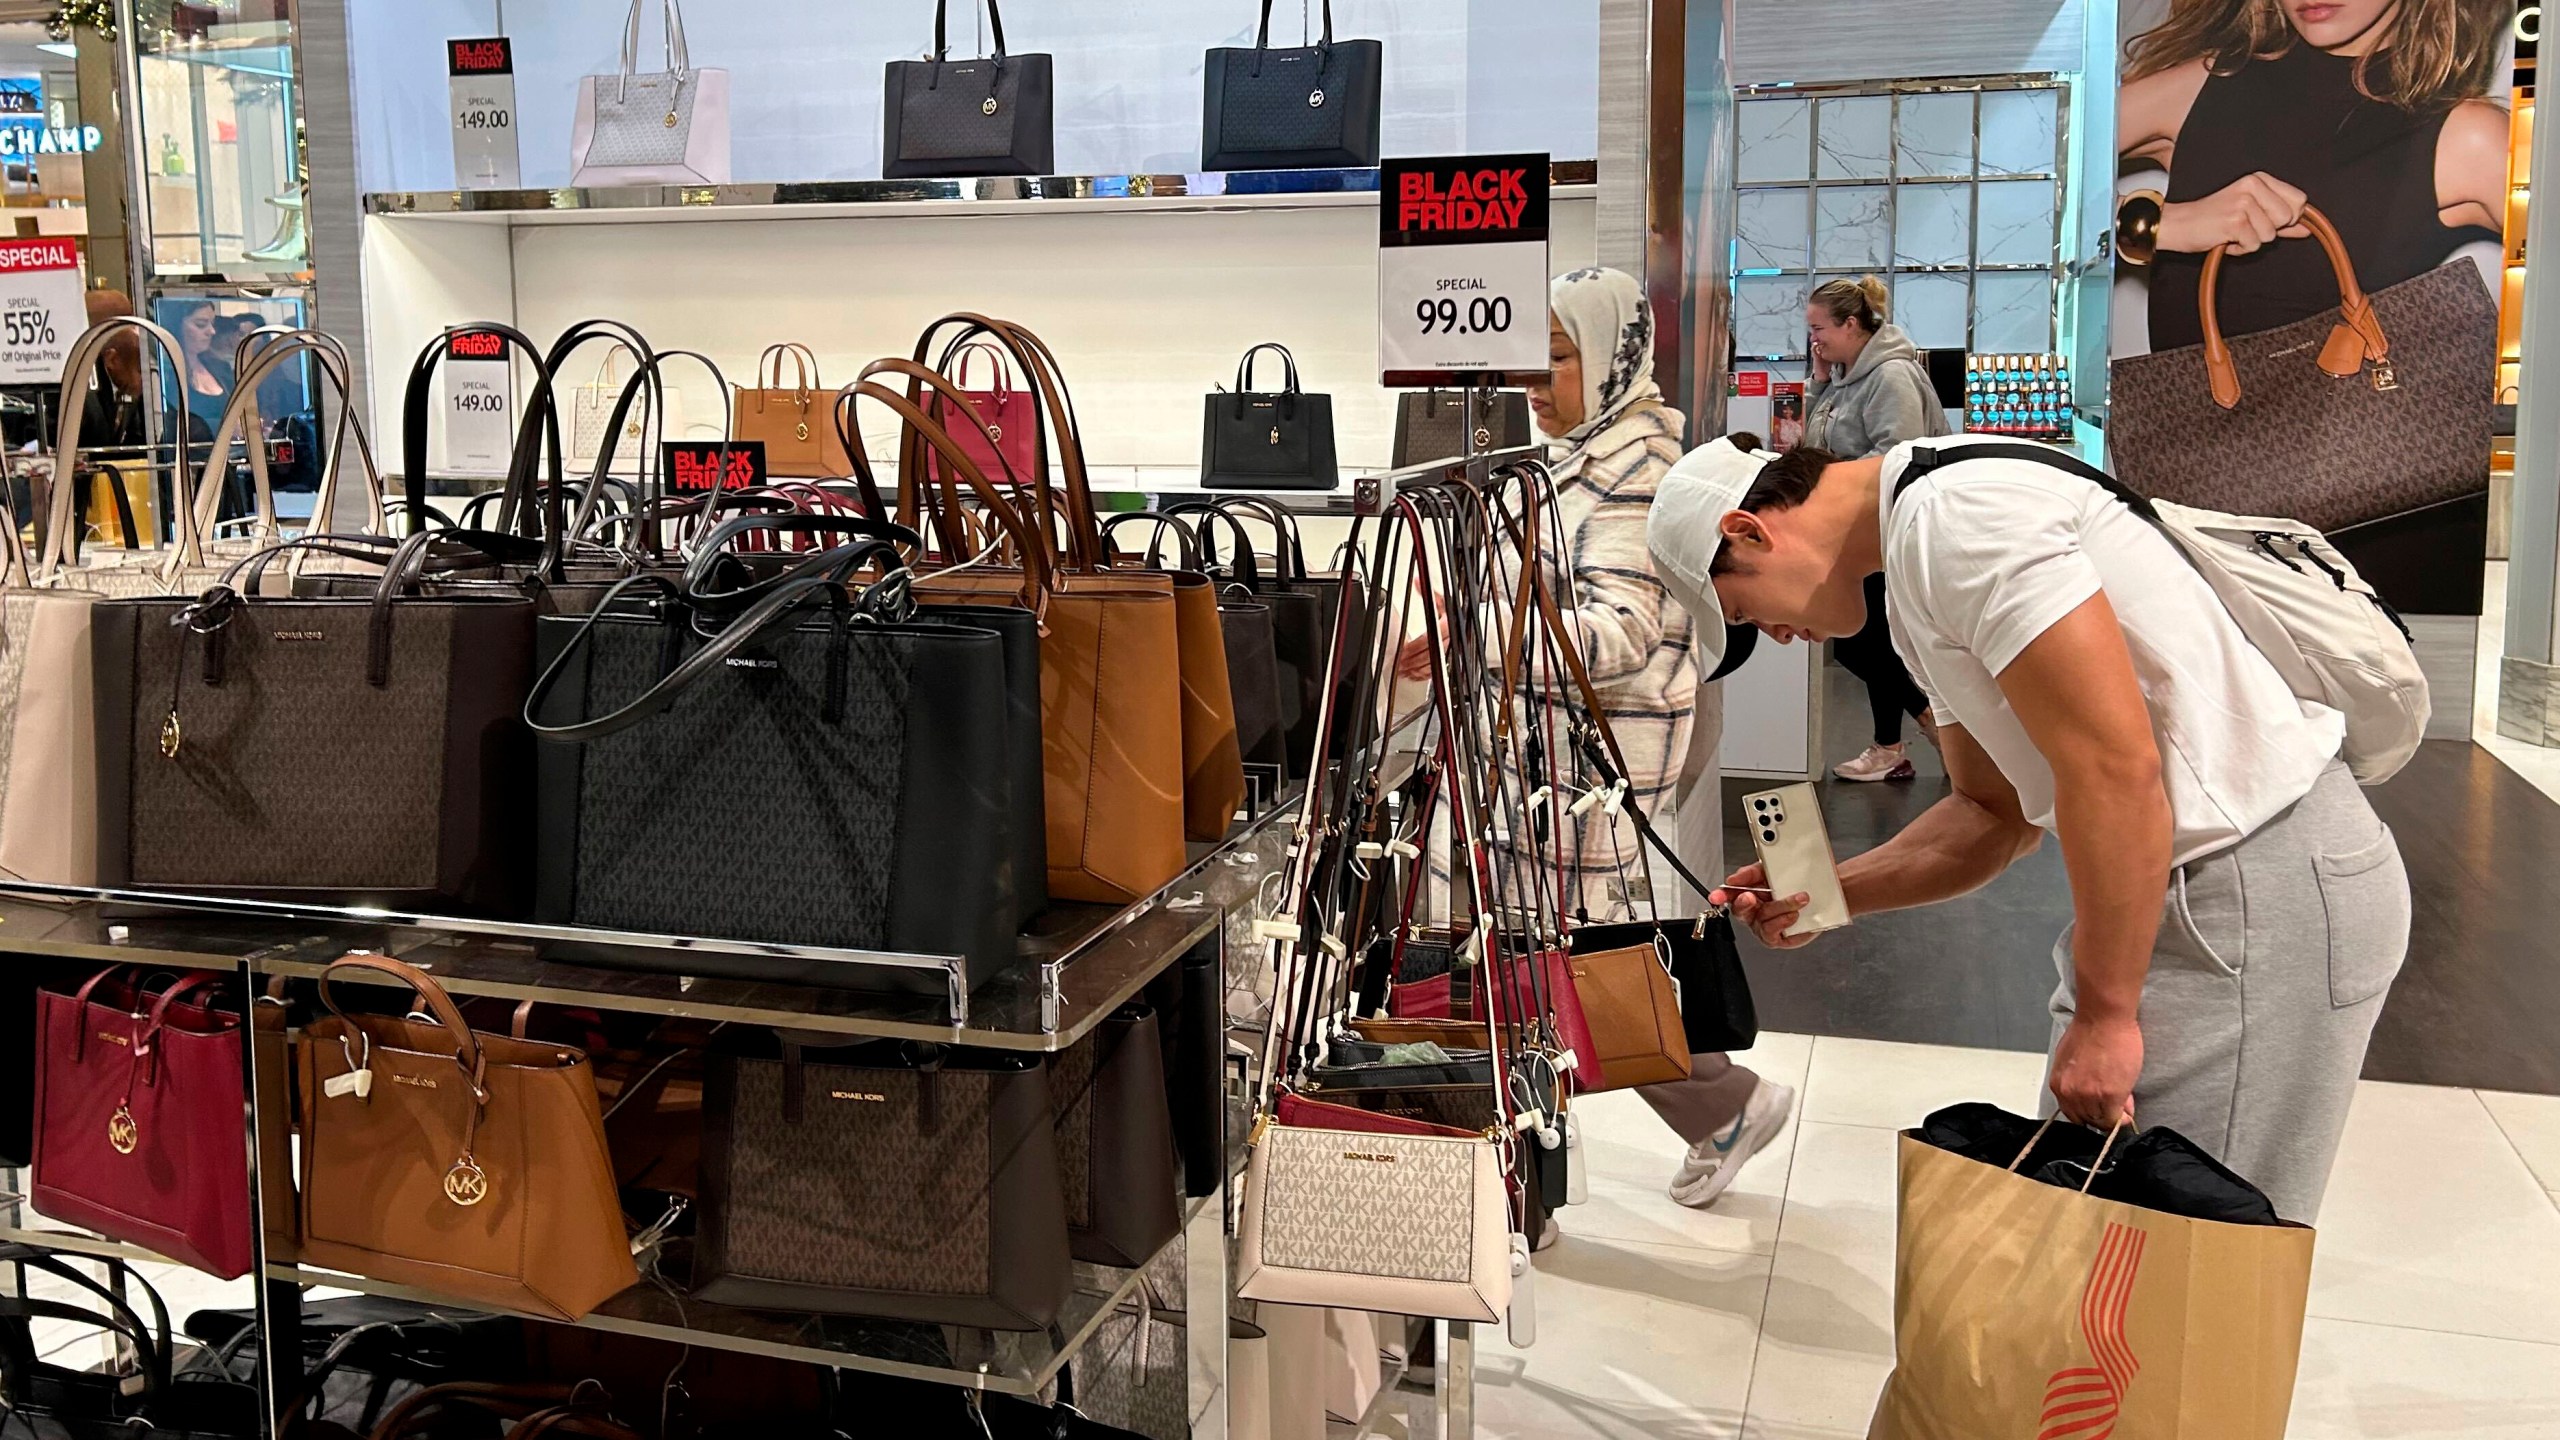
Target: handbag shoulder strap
x,y
1262,36
941,13
1186,544
78,368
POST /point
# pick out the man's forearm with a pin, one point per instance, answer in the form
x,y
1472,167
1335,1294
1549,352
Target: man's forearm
x,y
1957,846
2115,833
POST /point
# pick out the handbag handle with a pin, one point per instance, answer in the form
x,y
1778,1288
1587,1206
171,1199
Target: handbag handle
x,y
958,367
537,436
915,484
941,46
86,352
617,337
1186,544
804,369
678,60
2356,342
820,578
509,1402
151,1343
1053,413
1262,37
1245,568
240,421
714,548
1244,371
1288,551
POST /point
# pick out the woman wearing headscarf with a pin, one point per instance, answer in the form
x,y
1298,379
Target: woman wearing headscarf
x,y
1611,440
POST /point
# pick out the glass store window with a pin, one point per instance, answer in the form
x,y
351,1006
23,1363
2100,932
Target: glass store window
x,y
1950,191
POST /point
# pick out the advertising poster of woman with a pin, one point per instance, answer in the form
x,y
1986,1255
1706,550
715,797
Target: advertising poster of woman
x,y
2241,124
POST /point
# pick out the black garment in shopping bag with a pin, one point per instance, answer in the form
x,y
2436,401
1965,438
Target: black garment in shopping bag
x,y
958,118
2158,1169
1267,439
1311,107
814,771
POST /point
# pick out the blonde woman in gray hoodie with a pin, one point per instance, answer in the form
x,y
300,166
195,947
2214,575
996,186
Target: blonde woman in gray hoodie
x,y
1870,392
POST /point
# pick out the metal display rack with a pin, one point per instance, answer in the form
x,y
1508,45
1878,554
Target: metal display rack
x,y
1079,964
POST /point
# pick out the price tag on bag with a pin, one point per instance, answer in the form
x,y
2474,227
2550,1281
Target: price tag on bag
x,y
1462,268
484,113
41,312
479,405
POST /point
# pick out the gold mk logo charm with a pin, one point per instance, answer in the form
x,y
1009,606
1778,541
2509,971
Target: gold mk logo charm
x,y
466,1184
122,1133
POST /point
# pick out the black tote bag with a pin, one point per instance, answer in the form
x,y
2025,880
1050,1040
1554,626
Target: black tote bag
x,y
814,772
1432,425
959,118
1270,439
1312,107
1291,643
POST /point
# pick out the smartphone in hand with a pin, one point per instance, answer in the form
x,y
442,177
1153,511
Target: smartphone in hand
x,y
1795,850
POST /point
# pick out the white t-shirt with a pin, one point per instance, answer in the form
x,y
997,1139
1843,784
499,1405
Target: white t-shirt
x,y
1982,558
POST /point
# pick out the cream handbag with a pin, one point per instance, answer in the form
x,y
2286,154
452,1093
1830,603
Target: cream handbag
x,y
667,127
1402,1224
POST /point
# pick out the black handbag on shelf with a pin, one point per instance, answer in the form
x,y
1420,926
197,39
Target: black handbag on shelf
x,y
959,118
1267,440
1115,1141
812,771
154,1395
1314,107
894,1180
1304,607
1244,627
1190,1000
1432,425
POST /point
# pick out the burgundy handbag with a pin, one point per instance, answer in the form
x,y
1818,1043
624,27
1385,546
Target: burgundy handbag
x,y
1009,448
138,1117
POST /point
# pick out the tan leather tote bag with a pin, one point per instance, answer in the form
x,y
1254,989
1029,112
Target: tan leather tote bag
x,y
466,1164
792,420
1110,665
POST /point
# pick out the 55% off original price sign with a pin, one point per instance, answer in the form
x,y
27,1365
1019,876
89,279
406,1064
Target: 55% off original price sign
x,y
41,311
1462,269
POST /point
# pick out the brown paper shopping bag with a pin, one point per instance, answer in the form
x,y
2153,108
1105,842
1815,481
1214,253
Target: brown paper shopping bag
x,y
2025,1311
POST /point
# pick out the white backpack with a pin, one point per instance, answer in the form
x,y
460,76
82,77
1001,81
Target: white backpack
x,y
2297,599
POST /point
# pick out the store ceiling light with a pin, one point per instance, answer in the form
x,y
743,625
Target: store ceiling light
x,y
63,48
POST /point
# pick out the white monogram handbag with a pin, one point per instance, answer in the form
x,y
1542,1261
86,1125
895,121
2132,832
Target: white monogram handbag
x,y
1401,1224
668,127
591,410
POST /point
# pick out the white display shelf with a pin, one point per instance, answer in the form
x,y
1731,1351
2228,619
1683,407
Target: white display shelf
x,y
994,195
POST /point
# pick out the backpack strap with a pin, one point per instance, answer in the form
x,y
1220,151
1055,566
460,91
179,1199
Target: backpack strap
x,y
1926,458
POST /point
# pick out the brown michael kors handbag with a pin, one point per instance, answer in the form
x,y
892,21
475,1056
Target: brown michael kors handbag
x,y
467,1164
794,421
2369,410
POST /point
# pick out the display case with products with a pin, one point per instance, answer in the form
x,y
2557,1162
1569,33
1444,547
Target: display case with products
x,y
219,143
2023,395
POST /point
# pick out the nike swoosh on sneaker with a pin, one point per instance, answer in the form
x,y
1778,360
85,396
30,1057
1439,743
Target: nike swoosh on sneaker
x,y
1725,1145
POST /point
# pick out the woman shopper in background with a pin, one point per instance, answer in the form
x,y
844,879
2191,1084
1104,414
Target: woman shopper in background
x,y
1615,440
1870,392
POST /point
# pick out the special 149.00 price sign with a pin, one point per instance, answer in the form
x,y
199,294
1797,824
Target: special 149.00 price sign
x,y
1462,268
484,113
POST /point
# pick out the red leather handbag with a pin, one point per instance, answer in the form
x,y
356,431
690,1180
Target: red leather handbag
x,y
1544,981
1008,452
138,1134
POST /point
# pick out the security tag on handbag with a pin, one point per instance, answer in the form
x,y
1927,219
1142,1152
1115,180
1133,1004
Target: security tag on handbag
x,y
485,155
1520,1321
358,1079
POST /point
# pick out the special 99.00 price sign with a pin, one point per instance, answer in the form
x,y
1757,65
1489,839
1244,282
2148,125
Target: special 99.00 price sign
x,y
1462,268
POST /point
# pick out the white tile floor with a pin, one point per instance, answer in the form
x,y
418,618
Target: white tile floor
x,y
2432,1299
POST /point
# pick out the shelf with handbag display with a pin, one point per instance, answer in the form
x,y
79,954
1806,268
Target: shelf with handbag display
x,y
819,199
707,1141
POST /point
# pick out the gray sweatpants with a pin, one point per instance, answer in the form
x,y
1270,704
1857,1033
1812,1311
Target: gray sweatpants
x,y
2272,963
